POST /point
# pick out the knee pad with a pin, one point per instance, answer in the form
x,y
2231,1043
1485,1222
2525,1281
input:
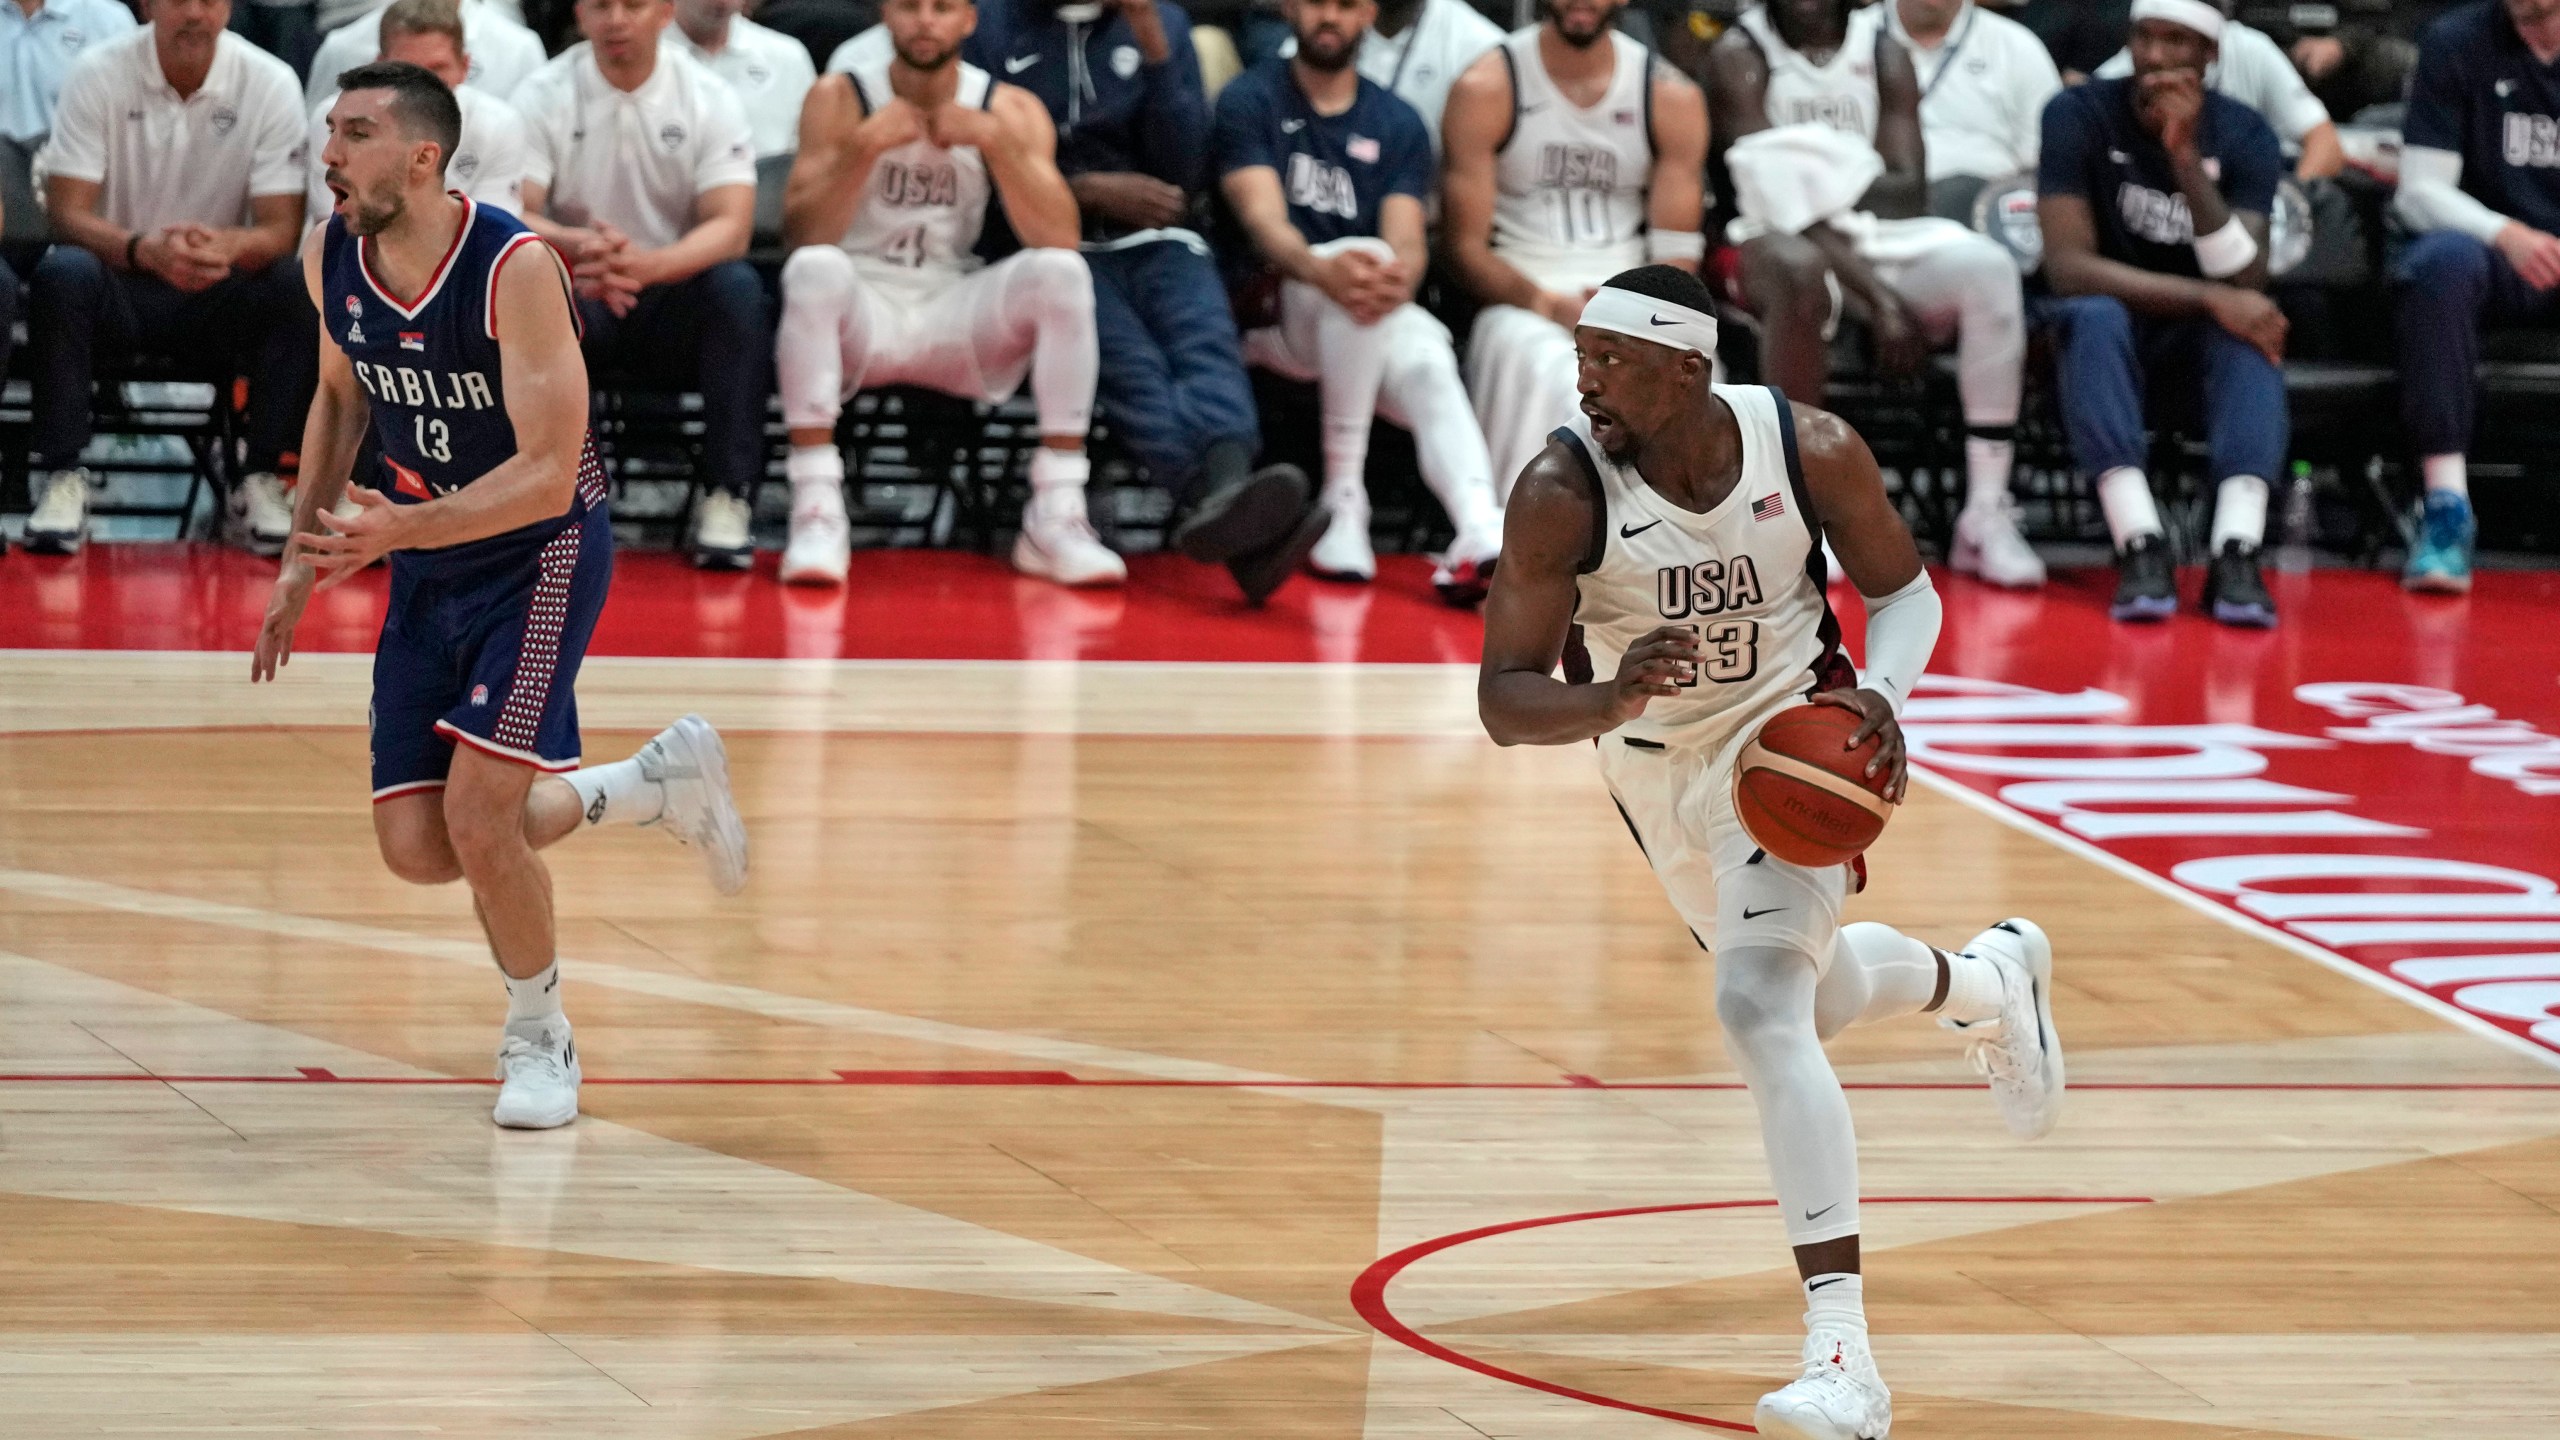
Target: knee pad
x,y
819,275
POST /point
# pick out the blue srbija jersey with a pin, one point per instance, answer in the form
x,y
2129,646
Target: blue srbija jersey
x,y
429,366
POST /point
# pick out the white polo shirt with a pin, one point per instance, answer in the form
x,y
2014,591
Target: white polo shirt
x,y
1982,93
487,164
37,52
501,51
1423,64
2254,70
171,161
771,73
636,160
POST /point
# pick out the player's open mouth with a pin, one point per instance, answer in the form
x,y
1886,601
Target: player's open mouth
x,y
1600,419
337,190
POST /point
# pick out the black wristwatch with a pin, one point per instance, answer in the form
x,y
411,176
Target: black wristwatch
x,y
132,244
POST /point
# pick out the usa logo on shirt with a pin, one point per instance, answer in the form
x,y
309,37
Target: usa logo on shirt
x,y
1768,507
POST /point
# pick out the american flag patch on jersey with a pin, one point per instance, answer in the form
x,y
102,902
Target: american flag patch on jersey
x,y
1769,507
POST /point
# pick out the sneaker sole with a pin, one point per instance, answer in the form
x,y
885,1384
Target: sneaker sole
x,y
1776,1425
1030,560
35,544
2436,584
2038,960
723,559
1260,513
729,832
1472,594
815,575
2146,611
2245,617
548,1119
1260,578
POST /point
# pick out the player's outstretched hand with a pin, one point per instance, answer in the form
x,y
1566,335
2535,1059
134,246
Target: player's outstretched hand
x,y
1661,664
1876,715
355,541
284,612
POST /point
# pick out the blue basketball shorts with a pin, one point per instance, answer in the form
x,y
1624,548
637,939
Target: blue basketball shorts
x,y
481,647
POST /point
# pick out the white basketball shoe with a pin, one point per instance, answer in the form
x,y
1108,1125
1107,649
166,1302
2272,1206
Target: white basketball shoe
x,y
692,767
821,548
537,1076
2021,1052
1838,1397
1988,545
1057,541
1345,553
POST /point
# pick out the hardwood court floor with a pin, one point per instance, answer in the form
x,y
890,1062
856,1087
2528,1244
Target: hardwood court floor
x,y
1085,1038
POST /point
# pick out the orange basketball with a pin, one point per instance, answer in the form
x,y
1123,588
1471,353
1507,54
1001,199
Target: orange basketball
x,y
1801,796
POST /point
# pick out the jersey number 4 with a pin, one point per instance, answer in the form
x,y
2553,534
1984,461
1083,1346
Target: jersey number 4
x,y
1728,652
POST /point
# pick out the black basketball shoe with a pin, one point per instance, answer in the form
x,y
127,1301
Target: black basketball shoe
x,y
2235,592
2146,583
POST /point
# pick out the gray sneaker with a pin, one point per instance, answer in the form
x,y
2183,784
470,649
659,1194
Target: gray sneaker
x,y
61,520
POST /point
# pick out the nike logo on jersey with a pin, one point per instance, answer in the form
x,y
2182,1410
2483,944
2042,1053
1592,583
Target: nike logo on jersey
x,y
1629,532
1292,127
1020,63
1751,914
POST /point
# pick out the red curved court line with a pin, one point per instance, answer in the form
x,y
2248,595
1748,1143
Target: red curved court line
x,y
1369,1292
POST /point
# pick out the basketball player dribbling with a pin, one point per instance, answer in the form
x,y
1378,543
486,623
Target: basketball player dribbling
x,y
495,526
1675,531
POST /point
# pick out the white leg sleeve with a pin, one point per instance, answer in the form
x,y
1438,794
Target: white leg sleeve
x,y
823,344
1876,973
1046,305
1351,359
1968,289
1765,999
1420,390
1521,373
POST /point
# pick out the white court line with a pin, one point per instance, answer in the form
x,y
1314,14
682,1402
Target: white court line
x,y
828,1013
2245,924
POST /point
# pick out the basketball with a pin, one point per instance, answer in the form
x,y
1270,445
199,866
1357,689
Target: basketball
x,y
1804,798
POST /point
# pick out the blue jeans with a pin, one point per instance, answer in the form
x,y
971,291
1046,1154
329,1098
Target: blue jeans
x,y
2444,284
712,334
84,320
1173,380
2109,360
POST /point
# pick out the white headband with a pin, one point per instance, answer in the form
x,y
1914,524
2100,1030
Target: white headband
x,y
2201,16
1646,318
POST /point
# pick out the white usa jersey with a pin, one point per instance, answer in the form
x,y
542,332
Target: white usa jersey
x,y
924,206
1841,94
1747,576
1570,180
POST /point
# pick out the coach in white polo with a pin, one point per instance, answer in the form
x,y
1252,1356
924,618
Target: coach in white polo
x,y
642,170
174,181
488,162
2254,70
1984,79
503,51
770,71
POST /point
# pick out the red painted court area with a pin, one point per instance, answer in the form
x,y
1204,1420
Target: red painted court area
x,y
2375,783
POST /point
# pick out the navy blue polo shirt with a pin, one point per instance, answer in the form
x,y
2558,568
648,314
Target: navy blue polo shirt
x,y
1337,170
2480,93
2095,148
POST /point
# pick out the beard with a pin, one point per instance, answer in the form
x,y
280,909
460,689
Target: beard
x,y
923,57
1580,39
375,213
1314,56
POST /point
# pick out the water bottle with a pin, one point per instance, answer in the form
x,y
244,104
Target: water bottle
x,y
2293,526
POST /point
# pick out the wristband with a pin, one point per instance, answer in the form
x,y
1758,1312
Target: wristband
x,y
2227,251
1661,246
132,245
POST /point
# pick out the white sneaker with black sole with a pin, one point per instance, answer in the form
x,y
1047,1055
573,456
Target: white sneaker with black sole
x,y
1345,552
261,514
1989,547
2020,1052
1838,1397
691,766
537,1076
723,533
60,523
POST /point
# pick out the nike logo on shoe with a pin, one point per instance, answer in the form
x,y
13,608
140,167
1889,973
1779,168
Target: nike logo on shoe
x,y
1750,914
1629,532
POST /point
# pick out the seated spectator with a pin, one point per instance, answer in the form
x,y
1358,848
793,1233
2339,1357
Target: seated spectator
x,y
770,71
1124,89
821,26
502,54
1918,281
1573,154
2254,70
1328,174
39,41
2079,34
1417,51
488,162
640,168
2480,183
2153,193
2351,67
1984,80
886,209
174,180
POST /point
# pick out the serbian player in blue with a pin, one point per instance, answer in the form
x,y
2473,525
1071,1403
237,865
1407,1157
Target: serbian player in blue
x,y
1673,534
492,514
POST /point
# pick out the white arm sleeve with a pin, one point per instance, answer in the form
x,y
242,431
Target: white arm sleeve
x,y
2431,196
1902,630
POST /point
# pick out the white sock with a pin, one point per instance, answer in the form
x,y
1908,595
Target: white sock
x,y
2125,494
814,465
618,794
1987,465
1973,989
2240,512
1838,1301
2447,472
534,998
